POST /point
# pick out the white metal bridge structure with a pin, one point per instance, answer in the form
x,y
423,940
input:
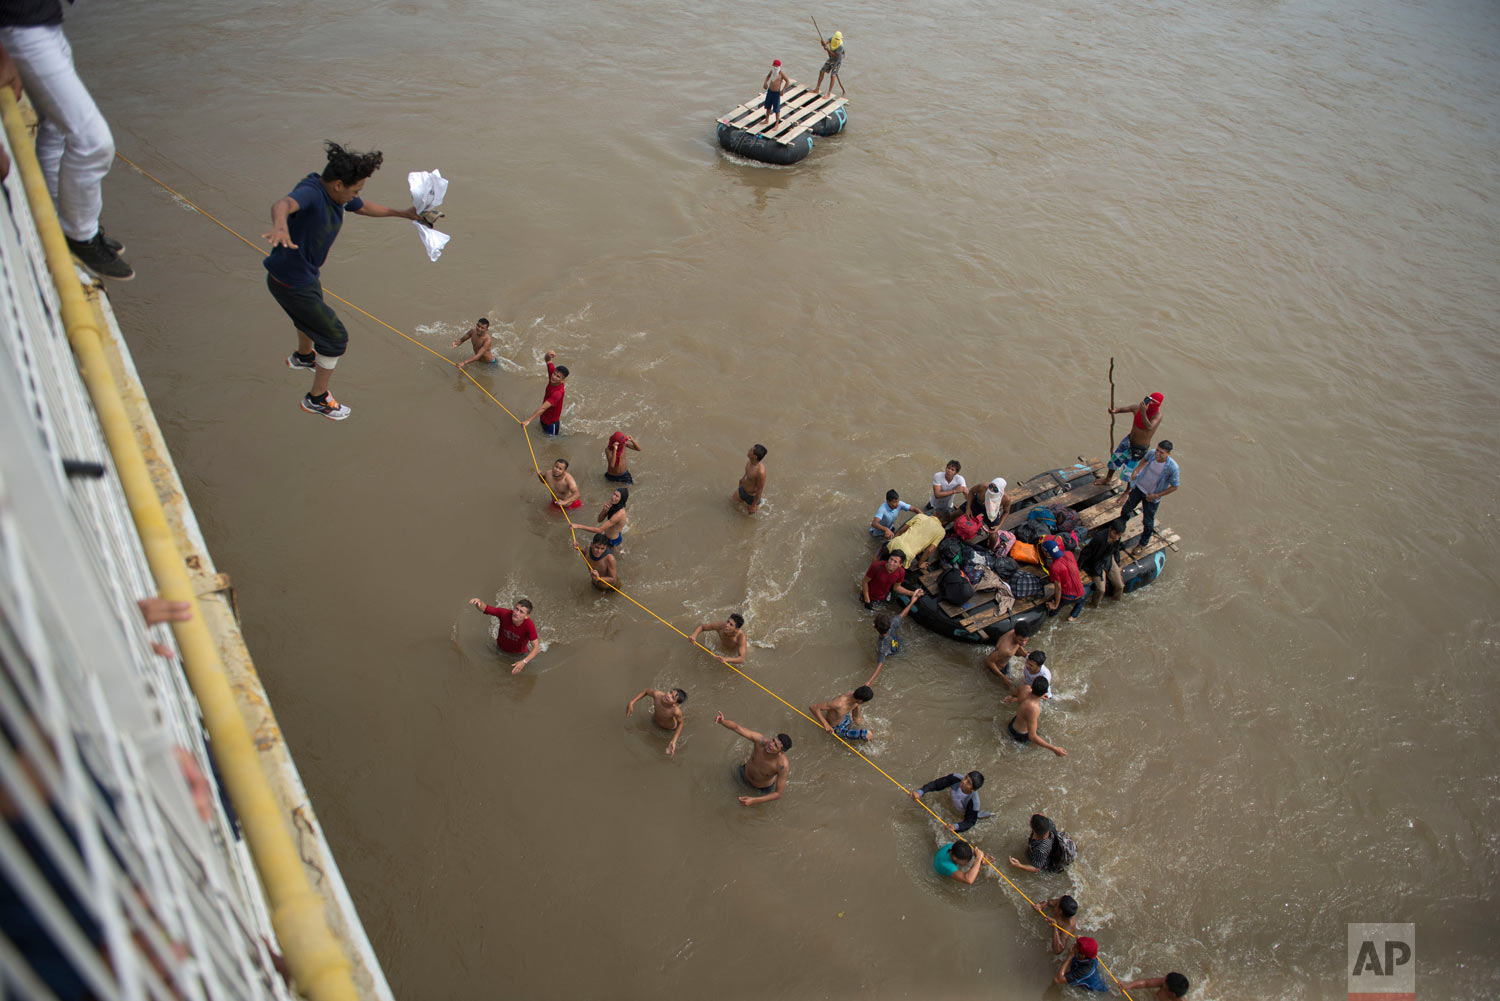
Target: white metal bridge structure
x,y
124,872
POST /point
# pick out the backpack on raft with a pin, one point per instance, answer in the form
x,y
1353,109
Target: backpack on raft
x,y
1043,517
949,552
1003,541
1071,540
966,526
1029,532
1004,566
1065,518
1064,852
955,587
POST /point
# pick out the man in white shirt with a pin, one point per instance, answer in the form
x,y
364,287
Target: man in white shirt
x,y
946,485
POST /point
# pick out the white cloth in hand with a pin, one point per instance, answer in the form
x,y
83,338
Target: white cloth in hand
x,y
427,190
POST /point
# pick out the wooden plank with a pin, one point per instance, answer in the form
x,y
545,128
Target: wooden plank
x,y
1080,495
801,109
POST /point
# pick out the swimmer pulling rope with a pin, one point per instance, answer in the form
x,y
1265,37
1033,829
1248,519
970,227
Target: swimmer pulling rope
x,y
989,860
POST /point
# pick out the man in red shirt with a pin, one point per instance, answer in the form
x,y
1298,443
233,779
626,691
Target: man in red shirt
x,y
517,630
552,398
1062,567
883,577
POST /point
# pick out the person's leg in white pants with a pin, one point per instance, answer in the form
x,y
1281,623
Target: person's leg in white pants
x,y
73,142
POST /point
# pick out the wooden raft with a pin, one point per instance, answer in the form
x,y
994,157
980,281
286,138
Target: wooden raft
x,y
801,109
1096,506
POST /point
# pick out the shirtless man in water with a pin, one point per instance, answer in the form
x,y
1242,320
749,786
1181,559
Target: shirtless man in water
x,y
666,709
1022,725
601,563
1012,644
479,337
753,483
732,637
767,768
563,485
841,714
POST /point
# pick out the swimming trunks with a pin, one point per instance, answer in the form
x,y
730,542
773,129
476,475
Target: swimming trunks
x,y
616,541
553,429
849,731
624,477
1126,454
773,101
1019,738
577,503
761,789
746,497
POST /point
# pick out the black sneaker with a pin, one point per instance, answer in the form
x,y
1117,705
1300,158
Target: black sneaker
x,y
99,260
111,242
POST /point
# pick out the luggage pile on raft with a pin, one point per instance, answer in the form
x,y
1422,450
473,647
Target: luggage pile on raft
x,y
1060,503
804,114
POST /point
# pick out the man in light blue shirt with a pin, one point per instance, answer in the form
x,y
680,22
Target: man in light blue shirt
x,y
884,522
1150,483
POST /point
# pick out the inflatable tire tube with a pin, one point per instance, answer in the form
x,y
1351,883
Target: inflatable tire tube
x,y
1136,575
757,147
831,125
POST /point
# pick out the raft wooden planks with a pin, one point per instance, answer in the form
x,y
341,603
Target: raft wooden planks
x,y
801,109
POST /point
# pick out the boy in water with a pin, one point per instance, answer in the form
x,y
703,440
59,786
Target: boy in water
x,y
563,486
666,709
614,457
479,337
845,709
1060,912
601,563
889,630
1081,968
1172,987
959,861
766,769
963,790
753,483
517,630
1009,647
884,522
552,398
1027,715
733,639
304,225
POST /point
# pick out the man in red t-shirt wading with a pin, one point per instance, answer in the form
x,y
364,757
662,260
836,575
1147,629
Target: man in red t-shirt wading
x,y
552,398
883,577
517,630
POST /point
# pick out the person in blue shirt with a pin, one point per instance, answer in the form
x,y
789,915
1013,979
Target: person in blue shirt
x,y
304,225
1081,968
884,522
959,860
1151,482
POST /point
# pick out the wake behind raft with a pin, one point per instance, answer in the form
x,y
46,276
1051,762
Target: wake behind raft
x,y
804,114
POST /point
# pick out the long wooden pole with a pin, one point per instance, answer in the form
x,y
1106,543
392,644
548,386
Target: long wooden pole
x,y
1111,446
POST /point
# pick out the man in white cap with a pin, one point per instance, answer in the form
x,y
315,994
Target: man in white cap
x,y
835,49
776,82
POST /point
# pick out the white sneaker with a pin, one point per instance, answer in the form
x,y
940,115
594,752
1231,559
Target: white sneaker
x,y
330,408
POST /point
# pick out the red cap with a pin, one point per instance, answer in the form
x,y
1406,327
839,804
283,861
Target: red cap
x,y
1088,948
775,62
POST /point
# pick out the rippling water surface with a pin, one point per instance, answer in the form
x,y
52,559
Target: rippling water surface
x,y
1282,215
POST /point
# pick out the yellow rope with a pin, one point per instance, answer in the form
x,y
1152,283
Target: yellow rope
x,y
989,860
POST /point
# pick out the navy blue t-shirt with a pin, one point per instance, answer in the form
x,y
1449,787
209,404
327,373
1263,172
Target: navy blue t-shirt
x,y
313,228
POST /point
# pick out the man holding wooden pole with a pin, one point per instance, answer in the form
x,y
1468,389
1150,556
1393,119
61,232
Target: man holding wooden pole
x,y
834,46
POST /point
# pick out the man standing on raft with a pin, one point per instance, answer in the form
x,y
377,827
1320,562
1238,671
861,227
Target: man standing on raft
x,y
835,49
776,81
1132,448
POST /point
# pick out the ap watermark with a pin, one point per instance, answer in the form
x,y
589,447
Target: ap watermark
x,y
1382,962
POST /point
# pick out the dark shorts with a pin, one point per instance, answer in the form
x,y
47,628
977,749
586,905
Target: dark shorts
x,y
1019,738
552,429
759,789
746,497
773,100
833,63
311,316
624,477
616,542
